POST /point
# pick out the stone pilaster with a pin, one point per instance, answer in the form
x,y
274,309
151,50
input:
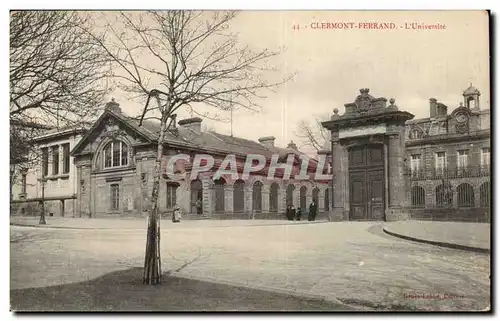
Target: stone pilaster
x,y
207,186
395,175
265,198
282,198
248,200
228,202
340,172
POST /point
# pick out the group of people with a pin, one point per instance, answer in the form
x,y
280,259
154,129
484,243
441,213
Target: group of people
x,y
296,214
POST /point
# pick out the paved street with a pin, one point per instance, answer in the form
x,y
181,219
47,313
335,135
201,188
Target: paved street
x,y
348,262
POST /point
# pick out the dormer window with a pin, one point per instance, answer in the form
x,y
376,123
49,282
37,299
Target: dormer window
x,y
115,154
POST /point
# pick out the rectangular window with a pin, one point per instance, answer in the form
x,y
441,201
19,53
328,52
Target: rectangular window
x,y
462,159
485,156
440,162
115,197
415,164
23,182
55,160
171,195
66,158
45,161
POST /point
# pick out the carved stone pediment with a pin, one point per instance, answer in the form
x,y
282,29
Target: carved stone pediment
x,y
364,100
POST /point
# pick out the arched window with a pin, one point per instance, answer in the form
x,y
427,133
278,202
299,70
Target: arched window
x,y
257,196
115,154
303,200
220,196
465,195
289,194
239,196
484,194
417,196
444,195
196,196
273,197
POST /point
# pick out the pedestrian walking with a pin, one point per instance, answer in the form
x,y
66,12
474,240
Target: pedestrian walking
x,y
298,214
176,214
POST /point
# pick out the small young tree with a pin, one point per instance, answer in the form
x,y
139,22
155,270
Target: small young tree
x,y
183,59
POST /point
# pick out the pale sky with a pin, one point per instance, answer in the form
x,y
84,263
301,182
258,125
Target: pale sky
x,y
332,65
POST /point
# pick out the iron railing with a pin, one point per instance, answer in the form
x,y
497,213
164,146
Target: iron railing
x,y
448,173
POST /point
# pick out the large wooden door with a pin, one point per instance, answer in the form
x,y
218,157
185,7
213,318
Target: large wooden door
x,y
366,183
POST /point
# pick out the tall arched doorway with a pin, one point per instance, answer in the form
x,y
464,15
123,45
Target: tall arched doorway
x,y
220,197
239,196
289,194
366,182
273,197
303,197
315,195
257,197
196,197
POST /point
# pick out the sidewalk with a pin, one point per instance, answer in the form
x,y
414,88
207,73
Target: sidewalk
x,y
129,223
459,235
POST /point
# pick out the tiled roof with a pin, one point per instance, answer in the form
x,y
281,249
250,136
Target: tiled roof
x,y
209,141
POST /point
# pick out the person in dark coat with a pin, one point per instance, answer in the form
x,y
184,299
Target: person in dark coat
x,y
289,213
298,214
313,210
292,213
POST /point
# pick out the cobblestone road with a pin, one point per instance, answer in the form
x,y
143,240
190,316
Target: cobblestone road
x,y
353,262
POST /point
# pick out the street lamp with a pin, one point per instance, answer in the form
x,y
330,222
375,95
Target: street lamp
x,y
42,214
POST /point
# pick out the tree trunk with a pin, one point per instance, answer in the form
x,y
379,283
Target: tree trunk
x,y
152,261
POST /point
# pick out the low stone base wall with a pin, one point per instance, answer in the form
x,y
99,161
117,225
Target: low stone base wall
x,y
478,215
52,208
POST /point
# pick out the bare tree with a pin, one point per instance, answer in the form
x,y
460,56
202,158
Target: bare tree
x,y
313,135
184,59
57,74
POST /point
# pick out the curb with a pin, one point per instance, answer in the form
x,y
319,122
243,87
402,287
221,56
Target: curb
x,y
437,243
137,228
297,294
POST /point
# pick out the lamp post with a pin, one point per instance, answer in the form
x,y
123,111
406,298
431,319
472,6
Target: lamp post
x,y
42,214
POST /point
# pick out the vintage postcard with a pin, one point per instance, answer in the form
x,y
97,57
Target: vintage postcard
x,y
250,161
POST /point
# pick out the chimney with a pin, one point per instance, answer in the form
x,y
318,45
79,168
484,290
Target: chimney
x,y
113,106
433,107
442,110
292,145
192,123
267,141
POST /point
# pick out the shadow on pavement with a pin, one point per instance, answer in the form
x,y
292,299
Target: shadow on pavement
x,y
124,291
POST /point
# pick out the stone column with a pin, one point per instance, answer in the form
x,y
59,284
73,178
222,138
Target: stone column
x,y
396,179
265,198
248,200
339,170
282,198
207,185
321,200
228,201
